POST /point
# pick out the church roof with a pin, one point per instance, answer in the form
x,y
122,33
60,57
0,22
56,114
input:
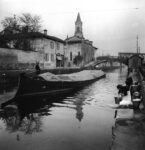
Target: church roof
x,y
78,18
73,39
136,55
30,35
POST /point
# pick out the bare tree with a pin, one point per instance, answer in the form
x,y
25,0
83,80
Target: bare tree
x,y
25,22
21,24
11,24
33,23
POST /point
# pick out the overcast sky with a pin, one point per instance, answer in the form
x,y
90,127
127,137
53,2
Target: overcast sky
x,y
112,25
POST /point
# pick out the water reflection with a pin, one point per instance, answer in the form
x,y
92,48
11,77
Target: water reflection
x,y
79,120
25,114
18,119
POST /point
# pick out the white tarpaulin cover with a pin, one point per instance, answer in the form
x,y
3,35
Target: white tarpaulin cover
x,y
79,76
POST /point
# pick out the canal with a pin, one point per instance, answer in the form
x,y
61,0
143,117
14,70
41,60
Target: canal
x,y
80,120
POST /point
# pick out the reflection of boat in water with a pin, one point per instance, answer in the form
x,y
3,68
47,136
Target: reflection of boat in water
x,y
18,118
50,84
25,115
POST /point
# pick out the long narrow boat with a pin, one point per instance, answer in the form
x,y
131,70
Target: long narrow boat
x,y
50,84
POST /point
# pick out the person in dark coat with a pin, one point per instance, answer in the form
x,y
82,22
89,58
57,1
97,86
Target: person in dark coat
x,y
129,81
122,89
37,68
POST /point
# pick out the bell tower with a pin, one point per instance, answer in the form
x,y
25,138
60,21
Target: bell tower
x,y
78,27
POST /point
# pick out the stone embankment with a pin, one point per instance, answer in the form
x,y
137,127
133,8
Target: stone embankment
x,y
128,133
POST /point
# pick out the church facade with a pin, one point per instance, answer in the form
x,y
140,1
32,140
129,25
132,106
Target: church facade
x,y
79,51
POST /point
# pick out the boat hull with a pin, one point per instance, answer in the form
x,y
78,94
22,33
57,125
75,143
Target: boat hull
x,y
32,86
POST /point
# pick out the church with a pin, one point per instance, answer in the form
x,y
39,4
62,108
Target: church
x,y
79,51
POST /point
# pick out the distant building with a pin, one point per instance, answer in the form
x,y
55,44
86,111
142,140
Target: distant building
x,y
79,51
135,62
127,55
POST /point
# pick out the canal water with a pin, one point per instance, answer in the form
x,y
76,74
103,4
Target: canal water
x,y
79,120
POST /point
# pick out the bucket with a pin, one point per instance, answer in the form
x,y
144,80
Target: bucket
x,y
117,99
136,102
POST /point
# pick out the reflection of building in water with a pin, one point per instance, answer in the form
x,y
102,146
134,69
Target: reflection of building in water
x,y
79,108
11,118
79,113
15,121
31,123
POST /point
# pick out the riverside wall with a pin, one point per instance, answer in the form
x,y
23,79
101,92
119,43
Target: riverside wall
x,y
128,131
142,78
14,59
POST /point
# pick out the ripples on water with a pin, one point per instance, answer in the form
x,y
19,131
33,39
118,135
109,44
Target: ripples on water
x,y
80,120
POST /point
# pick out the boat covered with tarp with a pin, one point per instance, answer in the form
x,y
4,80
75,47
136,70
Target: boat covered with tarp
x,y
51,84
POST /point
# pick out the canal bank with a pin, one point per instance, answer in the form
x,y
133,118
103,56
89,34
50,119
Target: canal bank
x,y
13,74
129,129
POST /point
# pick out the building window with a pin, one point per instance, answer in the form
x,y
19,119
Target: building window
x,y
46,57
52,45
57,46
52,57
79,54
71,56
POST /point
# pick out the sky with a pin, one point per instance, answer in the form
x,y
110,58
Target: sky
x,y
112,25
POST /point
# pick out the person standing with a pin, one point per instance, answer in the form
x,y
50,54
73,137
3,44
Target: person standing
x,y
37,68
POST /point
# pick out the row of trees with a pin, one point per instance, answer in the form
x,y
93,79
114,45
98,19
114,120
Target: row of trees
x,y
24,22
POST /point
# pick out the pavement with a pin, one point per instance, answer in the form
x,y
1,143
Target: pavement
x,y
128,133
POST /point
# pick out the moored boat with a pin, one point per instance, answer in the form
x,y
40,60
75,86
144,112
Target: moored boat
x,y
50,84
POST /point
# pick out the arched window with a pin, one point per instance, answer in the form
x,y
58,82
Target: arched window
x,y
79,53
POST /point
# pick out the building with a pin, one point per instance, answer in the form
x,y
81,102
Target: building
x,y
79,51
135,62
49,47
127,55
50,51
123,56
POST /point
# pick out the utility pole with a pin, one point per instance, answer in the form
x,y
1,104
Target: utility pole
x,y
137,48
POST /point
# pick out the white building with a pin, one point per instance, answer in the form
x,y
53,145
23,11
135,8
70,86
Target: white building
x,y
79,51
51,47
